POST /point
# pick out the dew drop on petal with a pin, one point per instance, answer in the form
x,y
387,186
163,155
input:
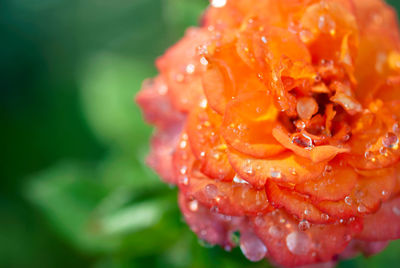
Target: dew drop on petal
x,y
275,231
390,140
194,205
183,144
264,39
361,208
304,225
211,190
239,180
183,170
327,24
259,221
203,61
324,217
275,174
396,210
203,103
252,247
348,200
190,68
298,243
185,181
249,170
328,169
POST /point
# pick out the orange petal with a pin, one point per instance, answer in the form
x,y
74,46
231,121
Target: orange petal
x,y
227,76
248,123
207,145
335,184
297,205
286,167
181,68
315,154
207,225
156,105
235,199
365,198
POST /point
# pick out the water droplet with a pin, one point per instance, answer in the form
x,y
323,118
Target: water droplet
x,y
249,170
203,61
396,128
275,174
324,216
361,208
328,168
252,247
327,24
203,103
348,200
202,154
307,212
162,90
185,181
304,225
259,221
218,3
190,68
298,243
275,231
264,39
211,190
306,36
396,210
384,193
242,127
194,205
214,209
183,144
237,179
390,140
183,170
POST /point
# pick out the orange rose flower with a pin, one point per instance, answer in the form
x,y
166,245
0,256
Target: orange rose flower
x,y
280,120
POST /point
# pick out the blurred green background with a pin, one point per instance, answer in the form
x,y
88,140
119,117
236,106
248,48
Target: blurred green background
x,y
74,188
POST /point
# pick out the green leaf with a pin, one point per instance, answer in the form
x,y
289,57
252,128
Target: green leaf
x,y
108,85
67,194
